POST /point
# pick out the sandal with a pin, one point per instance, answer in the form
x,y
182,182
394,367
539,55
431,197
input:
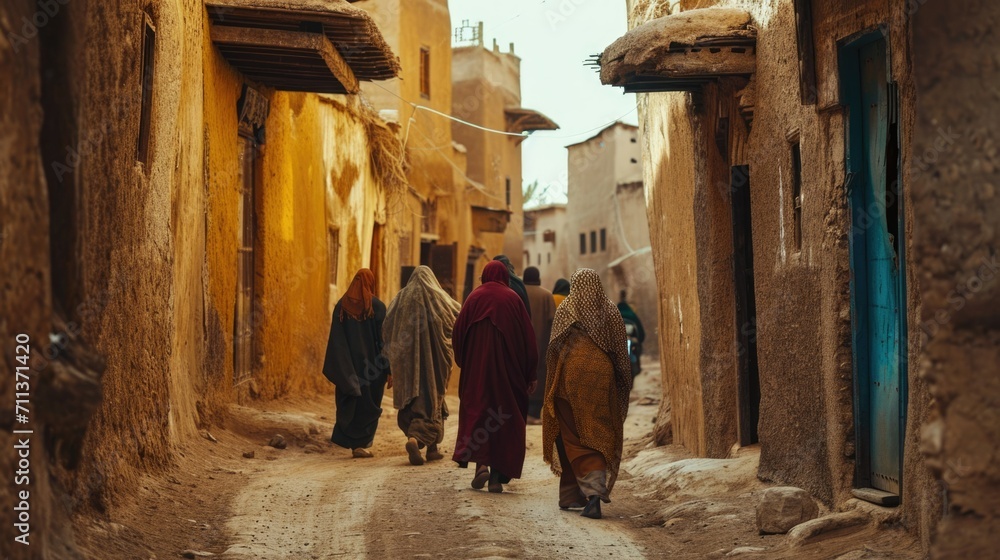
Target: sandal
x,y
413,449
593,509
495,486
433,454
482,475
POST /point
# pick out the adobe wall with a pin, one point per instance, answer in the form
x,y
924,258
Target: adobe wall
x,y
436,169
146,253
803,297
956,235
25,294
313,174
139,231
669,174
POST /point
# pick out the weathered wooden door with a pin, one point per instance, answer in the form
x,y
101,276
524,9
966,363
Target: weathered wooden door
x,y
877,264
243,319
748,380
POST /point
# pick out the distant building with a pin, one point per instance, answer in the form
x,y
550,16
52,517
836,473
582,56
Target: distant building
x,y
487,92
606,219
547,242
432,221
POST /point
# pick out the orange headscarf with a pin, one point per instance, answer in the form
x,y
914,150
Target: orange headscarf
x,y
357,302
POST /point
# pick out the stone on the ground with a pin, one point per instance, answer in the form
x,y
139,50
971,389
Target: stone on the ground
x,y
248,454
208,435
745,550
808,531
195,554
783,507
278,442
310,448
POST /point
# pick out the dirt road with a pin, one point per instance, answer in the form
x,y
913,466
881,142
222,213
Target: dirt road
x,y
404,511
237,498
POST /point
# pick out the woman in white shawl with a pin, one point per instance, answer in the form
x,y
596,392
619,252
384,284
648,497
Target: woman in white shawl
x,y
417,335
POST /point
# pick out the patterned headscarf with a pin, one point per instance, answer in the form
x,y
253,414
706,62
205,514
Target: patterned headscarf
x,y
357,302
588,307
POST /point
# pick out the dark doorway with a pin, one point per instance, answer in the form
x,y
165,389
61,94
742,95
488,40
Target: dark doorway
x,y
404,275
748,383
375,258
878,291
475,254
441,260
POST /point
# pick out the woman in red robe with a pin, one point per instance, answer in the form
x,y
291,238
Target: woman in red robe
x,y
494,345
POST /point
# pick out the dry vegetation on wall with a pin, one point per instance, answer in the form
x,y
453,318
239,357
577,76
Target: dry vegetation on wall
x,y
388,157
645,10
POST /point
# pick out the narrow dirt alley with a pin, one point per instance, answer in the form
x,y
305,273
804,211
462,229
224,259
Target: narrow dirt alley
x,y
236,497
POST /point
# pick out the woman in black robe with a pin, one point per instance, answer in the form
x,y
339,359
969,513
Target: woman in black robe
x,y
355,364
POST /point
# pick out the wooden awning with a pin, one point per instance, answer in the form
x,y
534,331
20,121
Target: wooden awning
x,y
520,119
322,46
682,51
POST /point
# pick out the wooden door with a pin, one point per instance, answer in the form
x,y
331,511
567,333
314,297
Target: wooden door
x,y
244,317
877,265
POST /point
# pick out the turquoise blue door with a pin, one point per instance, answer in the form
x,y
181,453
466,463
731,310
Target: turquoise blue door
x,y
877,287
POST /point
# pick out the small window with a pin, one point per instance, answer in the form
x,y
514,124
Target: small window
x,y
593,242
146,87
797,193
633,140
548,258
425,72
633,160
583,243
604,239
333,240
508,192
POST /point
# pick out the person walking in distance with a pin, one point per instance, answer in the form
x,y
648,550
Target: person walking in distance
x,y
541,321
515,283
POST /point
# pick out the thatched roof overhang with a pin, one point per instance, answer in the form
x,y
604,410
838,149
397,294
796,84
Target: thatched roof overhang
x,y
682,51
322,46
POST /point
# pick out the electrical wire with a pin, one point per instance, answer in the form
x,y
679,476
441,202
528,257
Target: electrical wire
x,y
475,184
417,107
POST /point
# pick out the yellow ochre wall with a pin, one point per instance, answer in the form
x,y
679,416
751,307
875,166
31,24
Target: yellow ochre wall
x,y
312,173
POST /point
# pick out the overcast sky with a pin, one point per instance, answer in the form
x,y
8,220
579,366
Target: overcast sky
x,y
553,39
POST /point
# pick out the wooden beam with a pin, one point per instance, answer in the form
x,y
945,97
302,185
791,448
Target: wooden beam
x,y
807,55
703,63
273,39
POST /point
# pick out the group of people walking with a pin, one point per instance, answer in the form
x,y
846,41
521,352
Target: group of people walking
x,y
527,355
